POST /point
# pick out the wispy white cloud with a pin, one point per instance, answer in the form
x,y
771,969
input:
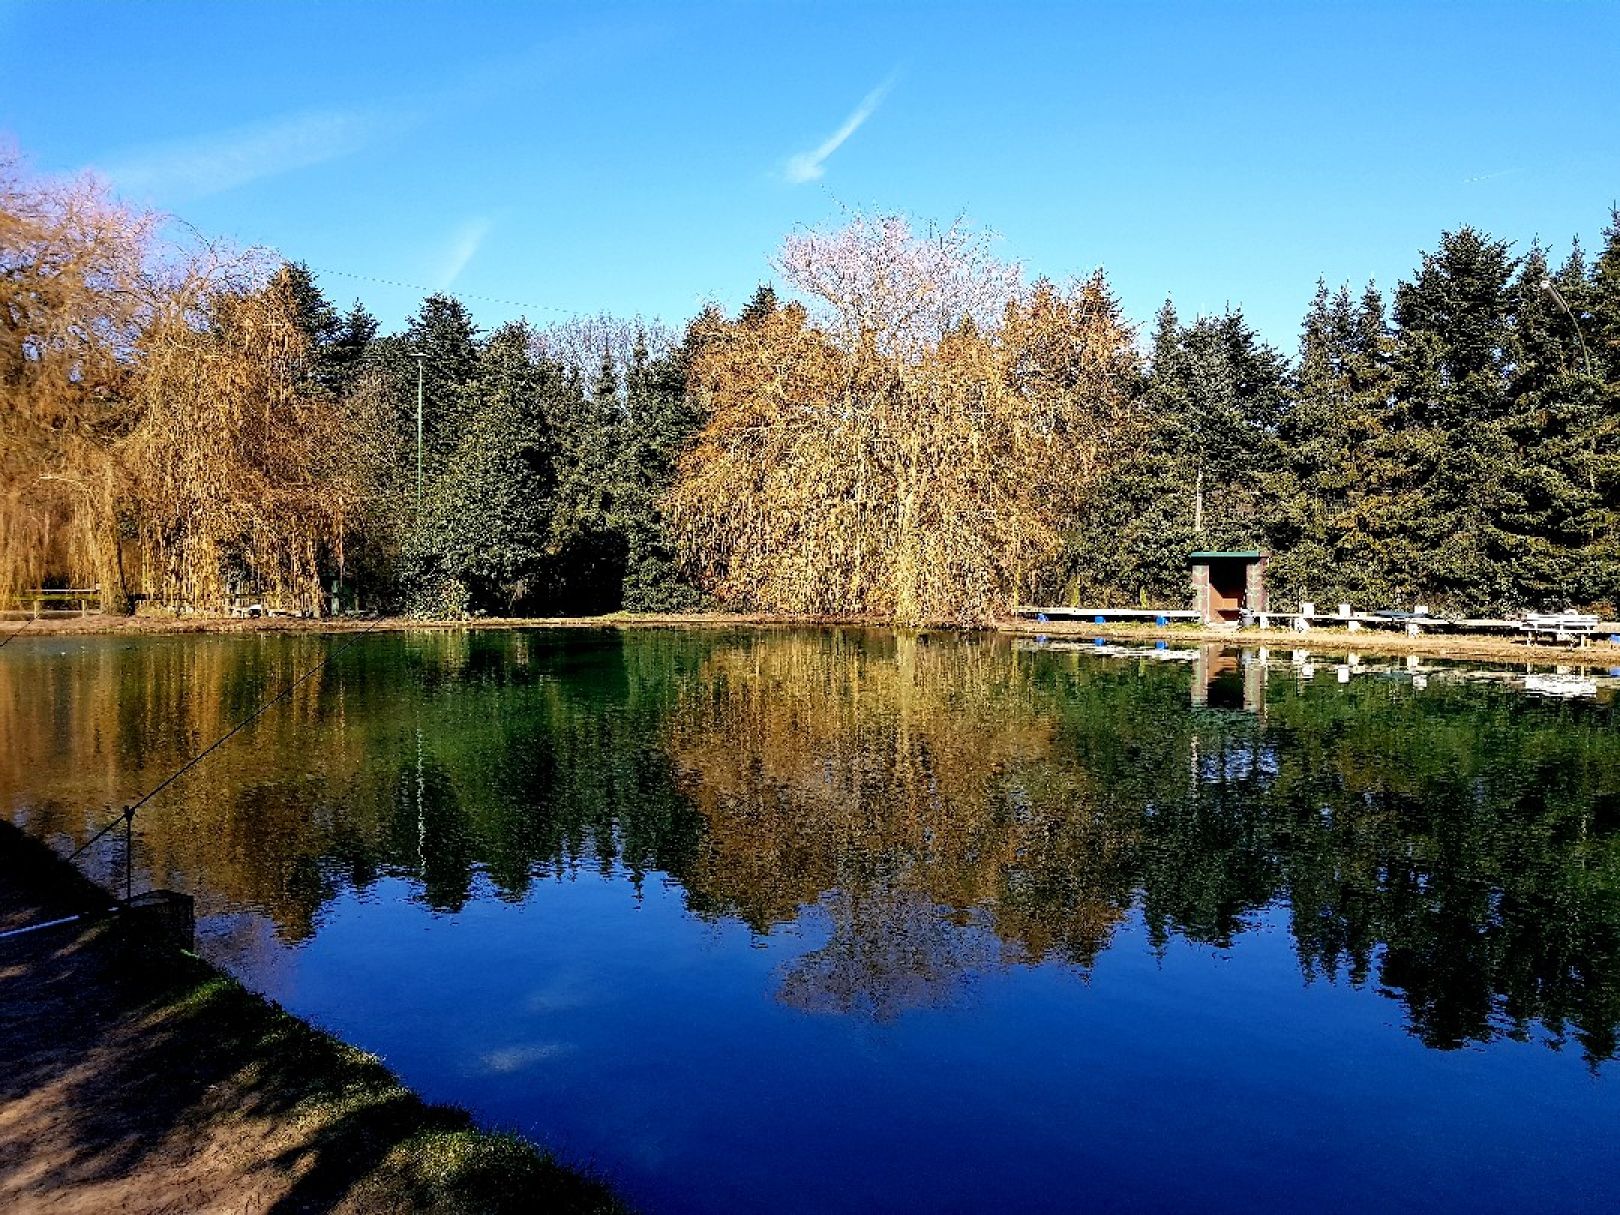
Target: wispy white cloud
x,y
210,164
464,245
808,166
1468,181
183,168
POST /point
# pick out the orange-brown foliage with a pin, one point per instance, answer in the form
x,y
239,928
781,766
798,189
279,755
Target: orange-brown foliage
x,y
918,484
72,299
913,778
158,425
242,467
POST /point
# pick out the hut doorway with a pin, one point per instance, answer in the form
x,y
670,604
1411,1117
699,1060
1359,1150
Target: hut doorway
x,y
1227,584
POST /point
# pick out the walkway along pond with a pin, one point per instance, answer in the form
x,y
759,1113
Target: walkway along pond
x,y
854,920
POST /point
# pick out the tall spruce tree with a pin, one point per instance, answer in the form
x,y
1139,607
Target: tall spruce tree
x,y
589,550
762,304
346,351
1193,472
1232,385
660,421
335,342
484,543
1455,336
443,331
1321,517
1599,313
1131,540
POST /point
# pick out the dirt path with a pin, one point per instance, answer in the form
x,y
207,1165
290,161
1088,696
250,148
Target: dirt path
x,y
141,1086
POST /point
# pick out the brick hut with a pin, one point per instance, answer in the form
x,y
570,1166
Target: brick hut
x,y
1227,583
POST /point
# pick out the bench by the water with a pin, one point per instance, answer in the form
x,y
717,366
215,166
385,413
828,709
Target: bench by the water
x,y
58,600
1307,618
1561,626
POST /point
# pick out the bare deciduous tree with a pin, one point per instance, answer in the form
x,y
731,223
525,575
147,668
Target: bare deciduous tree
x,y
875,277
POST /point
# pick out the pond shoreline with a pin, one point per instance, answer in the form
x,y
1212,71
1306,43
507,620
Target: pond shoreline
x,y
154,1082
1435,645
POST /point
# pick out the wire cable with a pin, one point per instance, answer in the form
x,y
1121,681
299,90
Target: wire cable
x,y
460,295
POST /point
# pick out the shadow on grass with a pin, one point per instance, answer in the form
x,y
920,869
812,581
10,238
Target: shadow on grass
x,y
119,1064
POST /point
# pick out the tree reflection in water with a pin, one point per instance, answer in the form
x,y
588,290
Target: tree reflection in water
x,y
912,786
938,805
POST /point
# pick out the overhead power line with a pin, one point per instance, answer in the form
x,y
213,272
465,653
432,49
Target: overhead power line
x,y
464,295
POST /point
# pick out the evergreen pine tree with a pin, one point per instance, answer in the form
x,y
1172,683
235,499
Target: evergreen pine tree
x,y
1454,335
484,543
355,332
443,330
589,550
759,306
1318,525
1193,473
660,421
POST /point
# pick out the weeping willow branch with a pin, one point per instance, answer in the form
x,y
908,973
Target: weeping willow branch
x,y
162,426
857,472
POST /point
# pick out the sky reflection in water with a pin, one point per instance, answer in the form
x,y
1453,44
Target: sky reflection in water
x,y
845,920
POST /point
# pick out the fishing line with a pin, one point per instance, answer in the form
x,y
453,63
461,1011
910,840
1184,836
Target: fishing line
x,y
128,815
16,633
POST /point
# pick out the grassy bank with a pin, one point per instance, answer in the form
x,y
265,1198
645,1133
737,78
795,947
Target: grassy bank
x,y
1479,648
136,1083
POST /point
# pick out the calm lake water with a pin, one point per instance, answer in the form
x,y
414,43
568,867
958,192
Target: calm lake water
x,y
811,921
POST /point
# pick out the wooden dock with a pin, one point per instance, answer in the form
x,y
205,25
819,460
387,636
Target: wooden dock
x,y
1563,627
1108,615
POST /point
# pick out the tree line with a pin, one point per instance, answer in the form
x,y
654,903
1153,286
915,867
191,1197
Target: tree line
x,y
909,431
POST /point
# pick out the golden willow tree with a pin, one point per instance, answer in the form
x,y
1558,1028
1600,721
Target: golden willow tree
x,y
72,304
914,448
160,425
247,473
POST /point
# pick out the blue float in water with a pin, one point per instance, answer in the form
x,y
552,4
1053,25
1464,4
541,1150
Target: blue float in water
x,y
1099,619
1161,645
1099,641
1161,621
1041,617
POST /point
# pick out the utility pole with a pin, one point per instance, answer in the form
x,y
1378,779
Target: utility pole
x,y
1551,289
421,357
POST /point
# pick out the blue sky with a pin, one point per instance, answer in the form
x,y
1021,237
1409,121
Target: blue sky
x,y
643,158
